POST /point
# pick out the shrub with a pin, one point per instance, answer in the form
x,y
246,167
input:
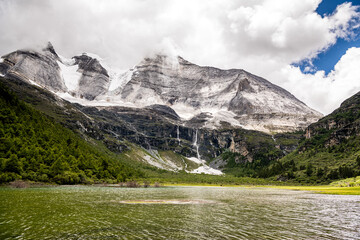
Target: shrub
x,y
19,184
8,177
43,178
132,184
67,178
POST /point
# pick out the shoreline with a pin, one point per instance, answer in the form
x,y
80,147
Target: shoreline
x,y
320,189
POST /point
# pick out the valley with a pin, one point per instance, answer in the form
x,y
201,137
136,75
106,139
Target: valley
x,y
174,121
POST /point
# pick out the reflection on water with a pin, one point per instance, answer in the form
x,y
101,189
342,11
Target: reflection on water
x,y
176,213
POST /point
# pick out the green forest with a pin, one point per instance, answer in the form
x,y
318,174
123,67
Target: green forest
x,y
34,147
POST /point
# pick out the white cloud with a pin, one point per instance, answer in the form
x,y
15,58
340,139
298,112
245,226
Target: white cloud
x,y
326,92
261,36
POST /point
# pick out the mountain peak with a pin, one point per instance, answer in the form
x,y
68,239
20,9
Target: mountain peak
x,y
50,48
233,96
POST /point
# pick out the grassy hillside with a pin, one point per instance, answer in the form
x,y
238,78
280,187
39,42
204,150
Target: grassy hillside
x,y
261,151
329,150
36,148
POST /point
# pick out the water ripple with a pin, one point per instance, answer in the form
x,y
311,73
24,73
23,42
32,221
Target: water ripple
x,y
176,213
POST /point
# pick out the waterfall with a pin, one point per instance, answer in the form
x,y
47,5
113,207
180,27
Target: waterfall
x,y
178,133
272,136
149,146
196,145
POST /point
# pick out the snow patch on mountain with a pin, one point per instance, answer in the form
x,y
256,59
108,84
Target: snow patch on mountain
x,y
207,170
185,111
34,83
152,161
222,116
70,74
216,116
118,79
196,160
67,61
204,168
95,103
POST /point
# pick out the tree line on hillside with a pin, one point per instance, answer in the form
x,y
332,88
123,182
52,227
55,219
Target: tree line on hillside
x,y
33,147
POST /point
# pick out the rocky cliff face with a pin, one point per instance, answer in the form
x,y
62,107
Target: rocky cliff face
x,y
82,76
94,79
340,125
36,67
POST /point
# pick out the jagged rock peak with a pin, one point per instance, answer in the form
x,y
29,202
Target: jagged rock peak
x,y
89,80
37,67
90,63
50,48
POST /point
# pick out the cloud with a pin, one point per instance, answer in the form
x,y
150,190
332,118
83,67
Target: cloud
x,y
326,92
261,36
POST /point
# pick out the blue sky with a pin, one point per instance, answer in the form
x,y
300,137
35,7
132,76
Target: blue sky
x,y
327,59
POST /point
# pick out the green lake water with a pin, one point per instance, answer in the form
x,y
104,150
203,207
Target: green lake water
x,y
82,212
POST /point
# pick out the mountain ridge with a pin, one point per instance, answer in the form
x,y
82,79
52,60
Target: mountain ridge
x,y
215,95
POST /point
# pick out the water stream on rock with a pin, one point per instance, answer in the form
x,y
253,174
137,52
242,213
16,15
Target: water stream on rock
x,y
178,135
196,145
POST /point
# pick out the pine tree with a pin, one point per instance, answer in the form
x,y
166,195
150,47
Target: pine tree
x,y
13,164
309,169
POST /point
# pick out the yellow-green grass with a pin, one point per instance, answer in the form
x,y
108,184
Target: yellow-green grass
x,y
327,189
324,189
201,185
348,182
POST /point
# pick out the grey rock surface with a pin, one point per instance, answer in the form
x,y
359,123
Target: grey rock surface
x,y
39,67
94,80
177,83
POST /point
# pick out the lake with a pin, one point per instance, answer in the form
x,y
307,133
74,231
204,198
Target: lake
x,y
84,212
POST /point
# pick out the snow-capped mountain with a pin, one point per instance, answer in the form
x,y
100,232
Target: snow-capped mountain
x,y
212,95
37,67
202,96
